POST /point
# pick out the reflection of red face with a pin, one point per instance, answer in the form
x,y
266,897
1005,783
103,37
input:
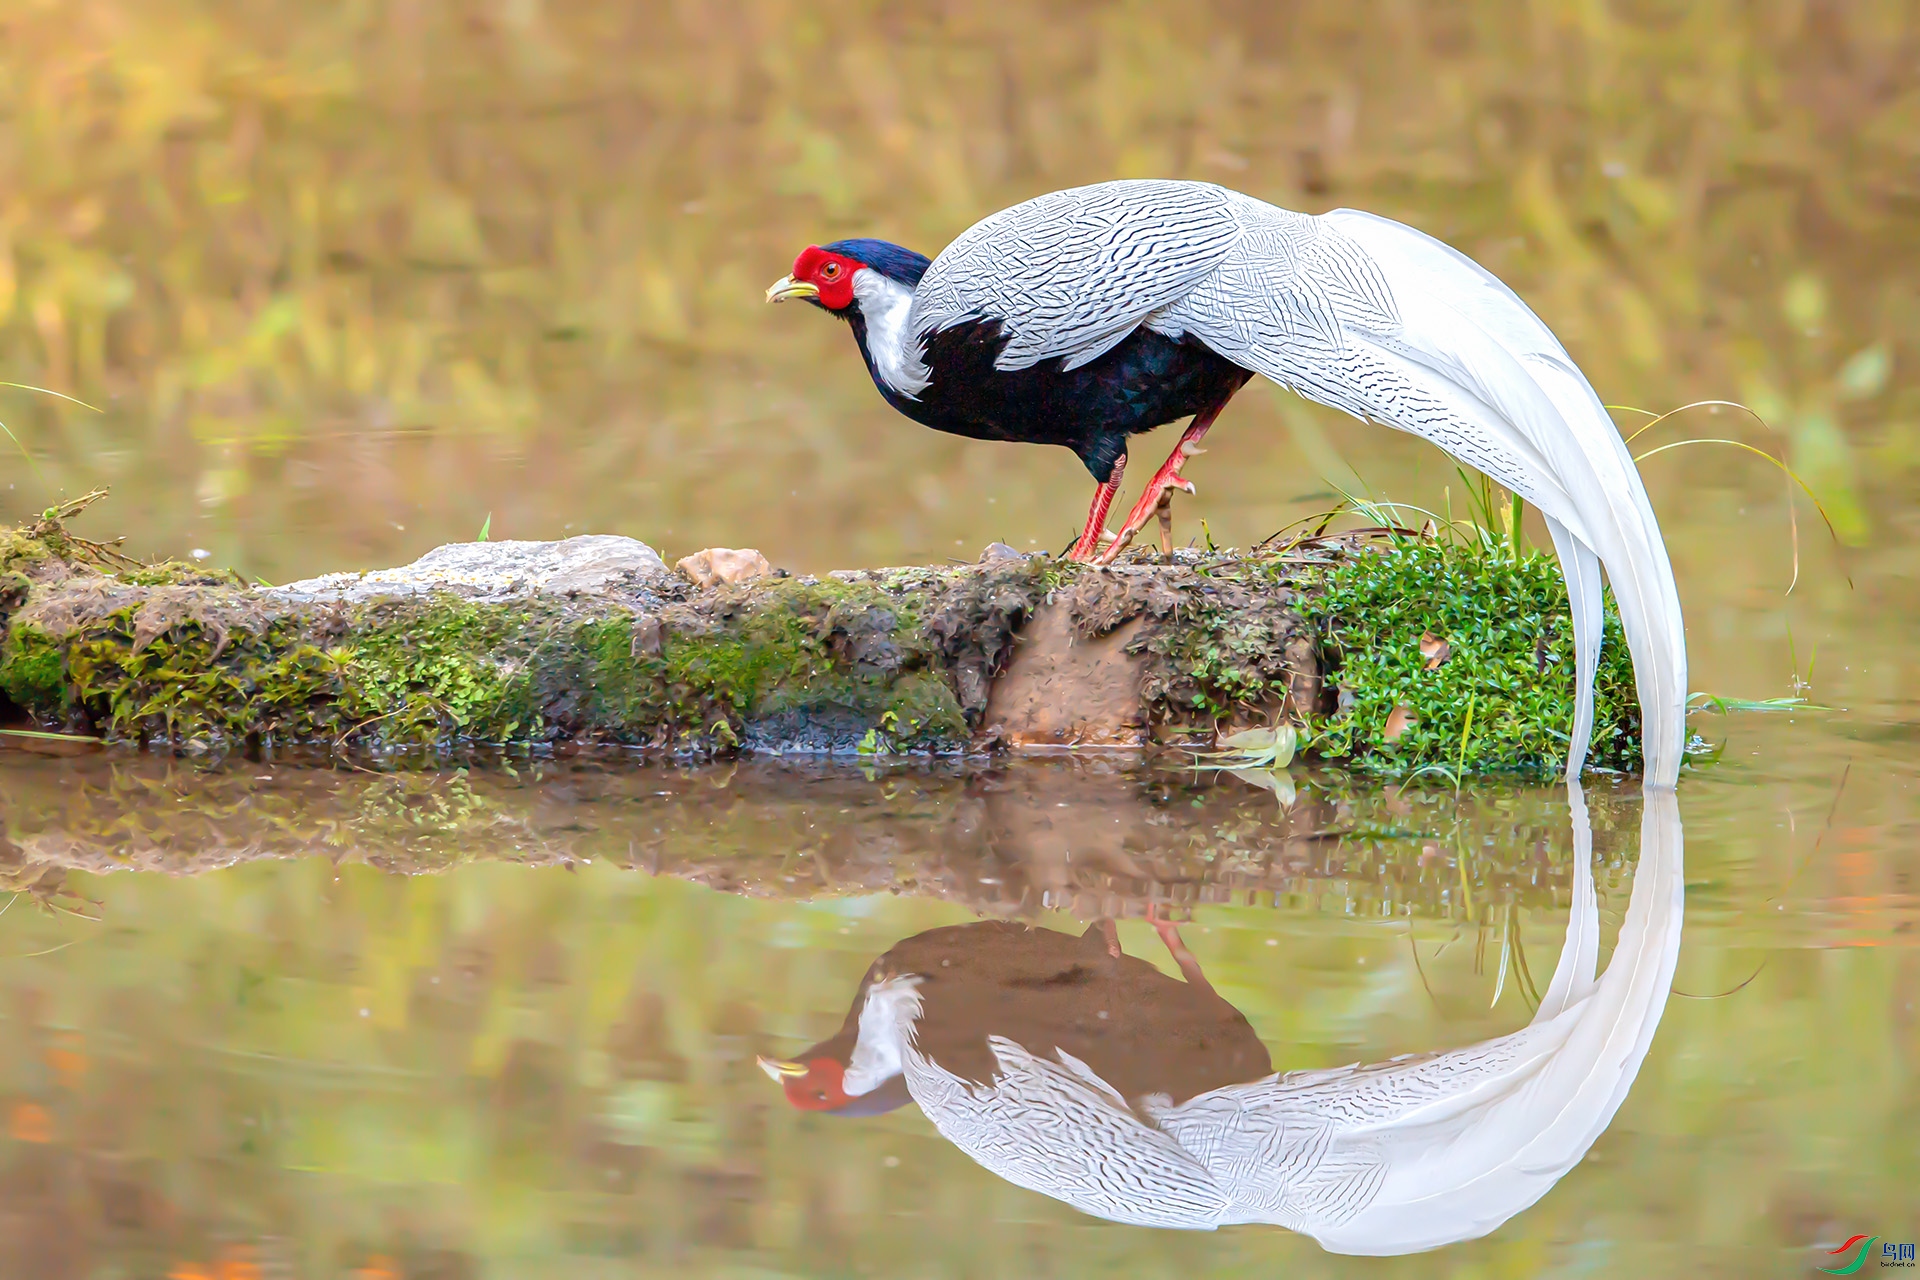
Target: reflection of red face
x,y
830,273
821,1089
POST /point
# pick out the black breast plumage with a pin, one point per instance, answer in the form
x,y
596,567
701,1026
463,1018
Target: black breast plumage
x,y
1146,381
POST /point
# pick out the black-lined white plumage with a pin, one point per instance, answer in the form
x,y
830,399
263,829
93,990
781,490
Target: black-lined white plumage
x,y
1384,1159
1088,315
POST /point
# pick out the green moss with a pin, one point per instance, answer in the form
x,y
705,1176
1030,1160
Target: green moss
x,y
193,682
922,713
31,672
1511,662
617,680
172,573
450,668
743,675
1225,652
17,550
847,652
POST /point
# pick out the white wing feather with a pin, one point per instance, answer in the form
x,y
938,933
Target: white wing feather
x,y
1080,269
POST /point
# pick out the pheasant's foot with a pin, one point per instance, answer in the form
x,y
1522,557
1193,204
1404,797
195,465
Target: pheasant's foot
x,y
1159,493
1159,490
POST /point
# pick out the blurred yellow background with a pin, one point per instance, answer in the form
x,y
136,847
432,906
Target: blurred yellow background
x,y
348,277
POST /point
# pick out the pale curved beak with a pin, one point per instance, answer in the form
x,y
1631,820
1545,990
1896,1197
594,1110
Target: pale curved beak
x,y
777,1070
787,287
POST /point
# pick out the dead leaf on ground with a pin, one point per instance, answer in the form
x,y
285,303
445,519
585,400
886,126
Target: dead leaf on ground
x,y
1398,722
1269,747
1434,649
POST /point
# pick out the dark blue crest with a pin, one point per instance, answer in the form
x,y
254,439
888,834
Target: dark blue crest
x,y
890,260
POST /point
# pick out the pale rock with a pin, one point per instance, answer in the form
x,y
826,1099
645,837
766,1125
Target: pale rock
x,y
495,572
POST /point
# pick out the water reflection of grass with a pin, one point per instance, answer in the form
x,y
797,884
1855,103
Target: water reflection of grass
x,y
986,836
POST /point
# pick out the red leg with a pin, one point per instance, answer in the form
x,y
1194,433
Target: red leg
x,y
1170,935
1089,544
1164,480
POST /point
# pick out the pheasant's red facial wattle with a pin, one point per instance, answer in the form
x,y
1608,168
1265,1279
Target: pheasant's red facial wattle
x,y
821,1089
830,273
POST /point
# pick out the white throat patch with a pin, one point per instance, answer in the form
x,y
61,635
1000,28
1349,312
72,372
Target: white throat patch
x,y
893,348
885,1022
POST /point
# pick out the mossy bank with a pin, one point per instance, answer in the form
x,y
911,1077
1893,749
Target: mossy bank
x,y
1340,635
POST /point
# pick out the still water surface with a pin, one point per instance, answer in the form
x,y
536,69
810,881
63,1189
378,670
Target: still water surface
x,y
506,1023
349,280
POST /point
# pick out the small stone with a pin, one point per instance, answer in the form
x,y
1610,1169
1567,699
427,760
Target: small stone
x,y
999,551
717,565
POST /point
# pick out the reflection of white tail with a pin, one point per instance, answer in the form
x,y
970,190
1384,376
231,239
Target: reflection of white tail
x,y
1392,1158
1454,1145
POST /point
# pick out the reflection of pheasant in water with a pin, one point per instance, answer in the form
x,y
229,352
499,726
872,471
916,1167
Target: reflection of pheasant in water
x,y
982,987
1163,1113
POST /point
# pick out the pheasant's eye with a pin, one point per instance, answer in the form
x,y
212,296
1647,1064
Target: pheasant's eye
x,y
830,272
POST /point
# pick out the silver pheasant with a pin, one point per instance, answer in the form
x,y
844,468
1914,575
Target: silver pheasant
x,y
1086,315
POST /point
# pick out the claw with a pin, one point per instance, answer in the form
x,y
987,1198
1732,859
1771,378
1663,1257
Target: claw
x,y
1165,480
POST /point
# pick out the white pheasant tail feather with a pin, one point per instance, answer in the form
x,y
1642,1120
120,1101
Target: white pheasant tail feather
x,y
1370,317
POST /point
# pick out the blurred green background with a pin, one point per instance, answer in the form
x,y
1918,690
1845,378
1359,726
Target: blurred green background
x,y
347,277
